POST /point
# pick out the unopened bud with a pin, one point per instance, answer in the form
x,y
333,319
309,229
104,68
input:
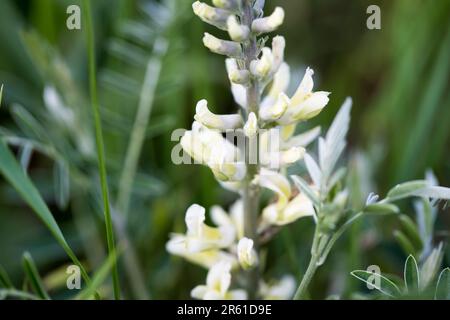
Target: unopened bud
x,y
262,67
270,23
227,48
214,16
237,31
251,126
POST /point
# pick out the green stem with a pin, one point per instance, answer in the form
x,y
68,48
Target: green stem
x,y
99,143
309,274
251,191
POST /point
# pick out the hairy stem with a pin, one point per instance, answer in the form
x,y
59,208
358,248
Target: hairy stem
x,y
251,191
310,271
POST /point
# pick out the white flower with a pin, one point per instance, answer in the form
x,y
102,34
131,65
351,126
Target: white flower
x,y
217,286
214,16
210,148
269,23
227,4
246,254
214,121
281,290
251,126
238,90
199,236
237,31
285,210
273,152
224,47
270,61
305,104
207,258
234,220
236,75
261,67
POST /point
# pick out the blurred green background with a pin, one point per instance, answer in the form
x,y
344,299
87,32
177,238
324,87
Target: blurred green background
x,y
398,77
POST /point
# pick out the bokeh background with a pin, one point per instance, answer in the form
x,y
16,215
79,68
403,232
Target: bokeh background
x,y
398,77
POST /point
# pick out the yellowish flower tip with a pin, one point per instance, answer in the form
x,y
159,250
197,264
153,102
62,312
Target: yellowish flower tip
x,y
246,254
237,31
293,155
270,23
211,42
226,4
203,11
280,106
262,67
251,127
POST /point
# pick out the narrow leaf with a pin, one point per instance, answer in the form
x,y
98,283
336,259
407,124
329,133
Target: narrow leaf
x,y
377,281
313,170
412,231
411,275
33,276
303,186
405,190
381,209
5,281
14,174
443,285
404,242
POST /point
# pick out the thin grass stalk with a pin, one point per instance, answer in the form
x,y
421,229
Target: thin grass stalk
x,y
100,144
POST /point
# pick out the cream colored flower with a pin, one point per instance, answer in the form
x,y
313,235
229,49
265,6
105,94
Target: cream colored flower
x,y
210,148
199,236
305,104
281,290
285,210
235,219
214,16
246,253
237,31
217,286
251,126
269,23
224,47
214,121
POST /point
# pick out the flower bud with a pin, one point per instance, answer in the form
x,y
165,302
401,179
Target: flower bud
x,y
237,31
278,46
251,127
226,48
270,23
227,4
261,68
214,121
236,75
213,16
246,254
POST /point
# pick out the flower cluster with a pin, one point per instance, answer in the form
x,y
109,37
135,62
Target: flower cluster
x,y
268,119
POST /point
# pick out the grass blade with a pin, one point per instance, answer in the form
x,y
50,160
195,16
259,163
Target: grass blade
x,y
5,281
33,276
13,173
99,141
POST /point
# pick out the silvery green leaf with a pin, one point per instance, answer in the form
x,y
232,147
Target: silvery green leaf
x,y
335,139
336,177
381,209
406,189
303,186
377,281
430,267
443,285
431,178
303,139
411,275
425,217
313,170
433,192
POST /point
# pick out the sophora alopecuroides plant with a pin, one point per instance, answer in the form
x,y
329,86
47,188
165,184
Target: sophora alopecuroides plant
x,y
262,145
